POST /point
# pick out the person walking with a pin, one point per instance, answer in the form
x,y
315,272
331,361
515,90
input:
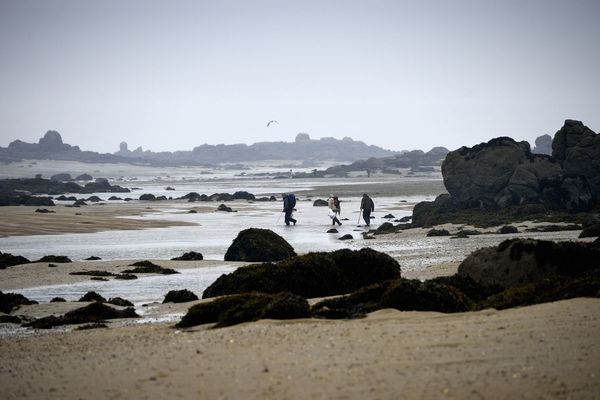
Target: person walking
x,y
334,209
367,207
289,202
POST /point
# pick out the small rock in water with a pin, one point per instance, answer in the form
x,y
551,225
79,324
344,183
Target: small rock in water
x,y
346,237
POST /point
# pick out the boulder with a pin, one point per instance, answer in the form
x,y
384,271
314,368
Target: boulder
x,y
438,232
84,177
180,296
148,267
388,216
147,197
223,207
517,262
243,196
332,230
119,301
346,237
8,301
235,309
320,203
255,244
92,296
63,177
8,260
310,275
508,229
189,256
54,259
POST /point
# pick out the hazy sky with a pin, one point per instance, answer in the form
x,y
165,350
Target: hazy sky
x,y
171,75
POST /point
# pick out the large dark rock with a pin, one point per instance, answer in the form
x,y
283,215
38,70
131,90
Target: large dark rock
x,y
180,296
235,309
94,312
255,244
8,260
320,203
577,148
242,195
500,172
92,296
8,301
189,256
148,267
54,259
310,275
517,262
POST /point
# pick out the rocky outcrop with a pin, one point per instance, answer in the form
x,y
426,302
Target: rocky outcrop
x,y
235,309
255,244
8,301
189,256
180,296
8,260
503,173
517,262
543,145
310,275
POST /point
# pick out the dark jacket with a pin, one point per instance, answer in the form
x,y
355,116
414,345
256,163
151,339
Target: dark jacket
x,y
367,204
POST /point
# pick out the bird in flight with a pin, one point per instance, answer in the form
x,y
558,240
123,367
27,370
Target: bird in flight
x,y
271,122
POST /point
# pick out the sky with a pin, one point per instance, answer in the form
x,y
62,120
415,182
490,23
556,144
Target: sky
x,y
172,75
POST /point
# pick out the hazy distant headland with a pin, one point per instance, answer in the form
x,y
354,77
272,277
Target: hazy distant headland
x,y
303,148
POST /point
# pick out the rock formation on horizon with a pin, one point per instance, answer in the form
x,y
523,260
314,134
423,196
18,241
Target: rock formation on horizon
x,y
543,145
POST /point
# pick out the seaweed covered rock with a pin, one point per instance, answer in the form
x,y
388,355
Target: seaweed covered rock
x,y
92,296
548,289
189,256
401,294
148,267
517,262
8,301
54,259
310,275
94,312
8,260
590,231
180,296
119,301
255,244
235,309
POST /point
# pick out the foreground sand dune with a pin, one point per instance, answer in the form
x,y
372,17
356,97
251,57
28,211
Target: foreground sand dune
x,y
547,351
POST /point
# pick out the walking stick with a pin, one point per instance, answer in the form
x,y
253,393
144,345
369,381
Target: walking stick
x,y
358,222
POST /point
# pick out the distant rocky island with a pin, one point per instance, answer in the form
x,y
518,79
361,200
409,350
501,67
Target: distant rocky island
x,y
303,148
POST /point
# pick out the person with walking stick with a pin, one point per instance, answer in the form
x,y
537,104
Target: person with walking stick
x,y
289,202
367,207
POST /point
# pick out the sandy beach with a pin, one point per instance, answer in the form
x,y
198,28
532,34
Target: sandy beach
x,y
544,351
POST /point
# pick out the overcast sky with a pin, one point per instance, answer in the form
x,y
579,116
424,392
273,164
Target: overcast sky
x,y
171,75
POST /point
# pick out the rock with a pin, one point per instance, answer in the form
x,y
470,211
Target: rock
x,y
577,147
385,228
259,245
320,203
95,325
389,216
161,198
8,301
51,141
507,229
10,319
189,256
94,312
223,207
310,275
554,228
179,296
94,199
332,230
61,177
147,267
192,212
54,259
243,196
169,188
93,258
470,232
235,309
57,300
517,262
438,232
84,177
148,197
460,235
405,219
118,301
126,277
8,260
79,203
220,197
543,145
346,237
92,296
590,231
112,198
552,288
44,211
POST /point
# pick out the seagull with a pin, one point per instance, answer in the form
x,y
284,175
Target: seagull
x,y
271,121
